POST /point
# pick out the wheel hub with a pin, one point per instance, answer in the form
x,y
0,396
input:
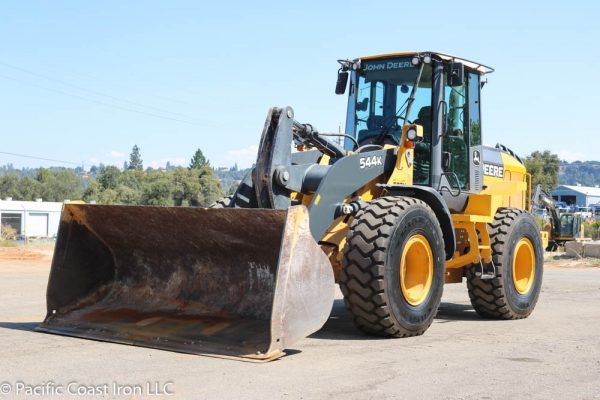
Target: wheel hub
x,y
523,267
416,270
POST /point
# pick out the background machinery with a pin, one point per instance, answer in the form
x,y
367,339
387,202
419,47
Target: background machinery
x,y
412,200
563,225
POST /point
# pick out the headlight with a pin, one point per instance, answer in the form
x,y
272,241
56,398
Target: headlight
x,y
411,135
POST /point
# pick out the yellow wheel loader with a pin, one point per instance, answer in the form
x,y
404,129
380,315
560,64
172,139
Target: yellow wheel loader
x,y
411,200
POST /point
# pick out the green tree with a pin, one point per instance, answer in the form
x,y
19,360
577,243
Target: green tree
x,y
543,167
27,189
211,187
198,160
43,175
158,192
128,195
108,177
135,159
186,186
8,186
61,185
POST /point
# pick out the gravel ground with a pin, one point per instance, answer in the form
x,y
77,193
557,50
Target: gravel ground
x,y
553,354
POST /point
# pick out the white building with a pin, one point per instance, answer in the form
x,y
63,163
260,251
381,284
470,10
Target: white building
x,y
31,218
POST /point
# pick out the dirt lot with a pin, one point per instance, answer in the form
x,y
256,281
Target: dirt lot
x,y
553,354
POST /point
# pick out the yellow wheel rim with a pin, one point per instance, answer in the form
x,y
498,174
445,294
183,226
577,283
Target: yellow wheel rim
x,y
523,267
416,270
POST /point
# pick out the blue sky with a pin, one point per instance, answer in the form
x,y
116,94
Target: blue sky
x,y
84,81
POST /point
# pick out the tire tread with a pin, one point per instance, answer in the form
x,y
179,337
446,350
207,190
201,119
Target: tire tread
x,y
362,280
488,296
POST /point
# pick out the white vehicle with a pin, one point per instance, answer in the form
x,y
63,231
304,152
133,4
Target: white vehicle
x,y
585,212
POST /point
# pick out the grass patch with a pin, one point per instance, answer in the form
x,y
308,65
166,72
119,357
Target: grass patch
x,y
8,243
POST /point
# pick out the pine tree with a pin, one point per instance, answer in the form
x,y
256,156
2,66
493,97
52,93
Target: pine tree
x,y
135,160
198,160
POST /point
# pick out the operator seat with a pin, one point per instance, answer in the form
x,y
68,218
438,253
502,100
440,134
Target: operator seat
x,y
424,119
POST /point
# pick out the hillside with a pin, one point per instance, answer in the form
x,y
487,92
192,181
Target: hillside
x,y
586,173
230,177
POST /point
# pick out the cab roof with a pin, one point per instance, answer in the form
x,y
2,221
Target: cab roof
x,y
481,68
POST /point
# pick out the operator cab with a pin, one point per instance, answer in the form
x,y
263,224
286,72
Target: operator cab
x,y
389,91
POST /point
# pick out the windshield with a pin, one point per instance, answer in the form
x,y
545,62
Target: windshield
x,y
382,91
566,225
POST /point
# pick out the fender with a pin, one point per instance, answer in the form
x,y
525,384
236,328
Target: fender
x,y
437,204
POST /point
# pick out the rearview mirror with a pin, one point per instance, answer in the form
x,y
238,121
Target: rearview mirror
x,y
457,74
342,81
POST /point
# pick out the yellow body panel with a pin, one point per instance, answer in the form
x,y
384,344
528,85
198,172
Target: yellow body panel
x,y
544,238
476,253
403,171
511,190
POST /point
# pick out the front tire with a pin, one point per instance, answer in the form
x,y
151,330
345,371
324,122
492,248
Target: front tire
x,y
393,270
518,255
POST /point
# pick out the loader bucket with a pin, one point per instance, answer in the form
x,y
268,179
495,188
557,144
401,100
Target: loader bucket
x,y
223,282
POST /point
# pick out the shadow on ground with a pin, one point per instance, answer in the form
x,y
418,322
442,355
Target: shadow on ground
x,y
20,326
339,326
449,312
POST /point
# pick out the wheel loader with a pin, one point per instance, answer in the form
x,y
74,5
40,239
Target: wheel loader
x,y
408,200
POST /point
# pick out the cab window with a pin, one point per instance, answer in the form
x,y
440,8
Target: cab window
x,y
462,128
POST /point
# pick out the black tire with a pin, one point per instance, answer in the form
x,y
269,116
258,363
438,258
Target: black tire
x,y
370,278
498,297
223,202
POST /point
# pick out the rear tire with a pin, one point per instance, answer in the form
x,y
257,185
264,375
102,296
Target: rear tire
x,y
393,269
514,292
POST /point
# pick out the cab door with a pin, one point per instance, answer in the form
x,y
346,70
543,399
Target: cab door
x,y
461,140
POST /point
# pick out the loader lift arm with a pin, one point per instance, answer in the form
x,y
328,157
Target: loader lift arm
x,y
273,173
275,176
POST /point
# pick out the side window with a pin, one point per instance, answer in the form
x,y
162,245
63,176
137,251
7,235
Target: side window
x,y
456,135
421,114
379,96
474,118
369,105
362,104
